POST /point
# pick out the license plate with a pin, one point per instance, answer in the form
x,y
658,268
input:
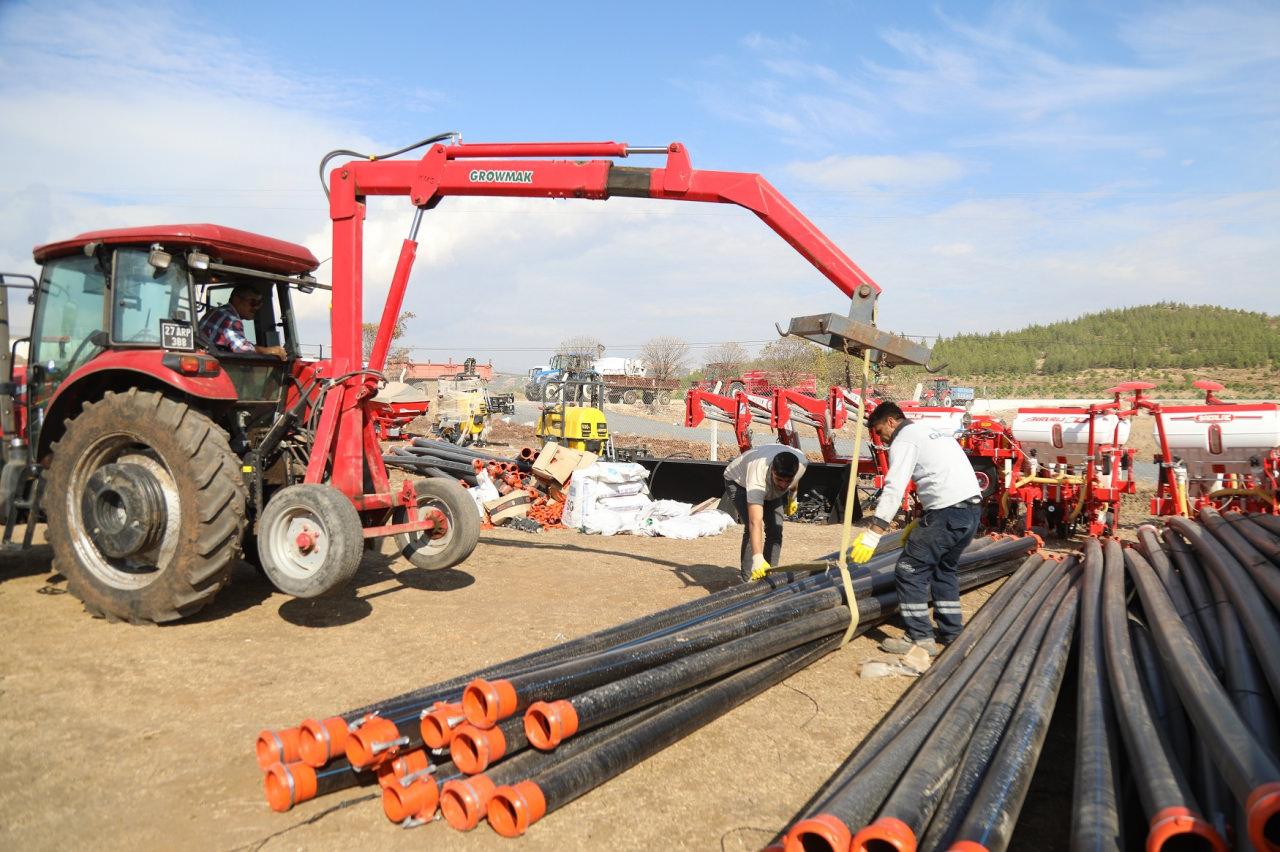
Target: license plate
x,y
175,334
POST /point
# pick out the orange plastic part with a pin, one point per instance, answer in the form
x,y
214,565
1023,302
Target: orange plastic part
x,y
276,747
360,743
322,740
1263,811
417,801
967,846
1172,823
474,749
549,723
438,725
886,831
487,702
463,801
289,784
513,809
823,828
406,764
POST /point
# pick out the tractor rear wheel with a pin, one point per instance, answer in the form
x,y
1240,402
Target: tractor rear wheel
x,y
310,540
146,507
461,533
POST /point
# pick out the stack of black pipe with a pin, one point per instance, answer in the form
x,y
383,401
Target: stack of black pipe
x,y
442,459
557,723
1178,663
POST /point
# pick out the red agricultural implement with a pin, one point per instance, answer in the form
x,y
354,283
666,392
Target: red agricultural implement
x,y
157,458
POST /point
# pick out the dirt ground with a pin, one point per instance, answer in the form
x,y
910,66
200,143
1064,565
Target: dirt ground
x,y
141,737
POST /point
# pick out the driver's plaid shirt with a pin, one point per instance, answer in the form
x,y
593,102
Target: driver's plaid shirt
x,y
224,330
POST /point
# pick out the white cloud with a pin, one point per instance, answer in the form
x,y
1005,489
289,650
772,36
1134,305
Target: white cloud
x,y
879,171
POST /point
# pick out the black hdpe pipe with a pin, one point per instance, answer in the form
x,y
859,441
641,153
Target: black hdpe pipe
x,y
1173,815
289,784
1159,560
514,808
1255,616
1197,587
1271,523
995,808
1252,774
1266,542
1095,812
459,469
445,447
914,798
1163,700
920,692
457,455
862,784
1260,568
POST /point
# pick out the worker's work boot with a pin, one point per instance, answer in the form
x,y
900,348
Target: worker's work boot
x,y
901,645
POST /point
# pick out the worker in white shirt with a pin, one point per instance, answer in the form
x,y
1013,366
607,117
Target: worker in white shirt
x,y
762,484
949,493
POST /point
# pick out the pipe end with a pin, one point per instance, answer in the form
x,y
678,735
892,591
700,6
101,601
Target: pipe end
x,y
417,801
438,725
273,747
289,784
406,764
1173,824
966,846
820,832
549,723
321,739
884,833
463,801
473,749
360,742
487,702
513,809
1263,811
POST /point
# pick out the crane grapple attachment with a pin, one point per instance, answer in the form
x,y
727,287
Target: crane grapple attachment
x,y
852,336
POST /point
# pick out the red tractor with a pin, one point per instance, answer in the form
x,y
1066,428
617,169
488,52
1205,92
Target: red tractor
x,y
157,458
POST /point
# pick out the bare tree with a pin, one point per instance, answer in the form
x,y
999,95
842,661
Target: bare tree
x,y
726,361
395,355
665,357
581,344
792,360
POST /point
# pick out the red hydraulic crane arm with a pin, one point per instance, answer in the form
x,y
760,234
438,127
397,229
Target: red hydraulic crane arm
x,y
506,170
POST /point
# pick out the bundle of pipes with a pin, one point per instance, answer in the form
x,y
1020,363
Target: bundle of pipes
x,y
520,739
511,477
1177,690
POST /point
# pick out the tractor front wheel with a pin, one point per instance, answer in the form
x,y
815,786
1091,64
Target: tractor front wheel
x,y
310,540
450,545
146,507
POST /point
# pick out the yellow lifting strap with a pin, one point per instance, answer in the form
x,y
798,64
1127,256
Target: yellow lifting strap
x,y
846,533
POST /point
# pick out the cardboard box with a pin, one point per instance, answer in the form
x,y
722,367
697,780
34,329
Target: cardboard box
x,y
558,463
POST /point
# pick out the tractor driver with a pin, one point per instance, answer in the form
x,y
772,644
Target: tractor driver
x,y
223,326
762,484
951,498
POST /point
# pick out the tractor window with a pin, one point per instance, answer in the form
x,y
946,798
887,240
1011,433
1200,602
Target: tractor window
x,y
69,311
145,295
217,297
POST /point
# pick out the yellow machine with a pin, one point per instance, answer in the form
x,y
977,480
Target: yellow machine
x,y
576,420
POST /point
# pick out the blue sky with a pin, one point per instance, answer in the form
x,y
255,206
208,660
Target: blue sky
x,y
989,165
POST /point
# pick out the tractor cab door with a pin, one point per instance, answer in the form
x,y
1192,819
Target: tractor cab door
x,y
67,329
259,379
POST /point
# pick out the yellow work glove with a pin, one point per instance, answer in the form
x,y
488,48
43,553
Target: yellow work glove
x,y
864,546
909,529
793,505
759,567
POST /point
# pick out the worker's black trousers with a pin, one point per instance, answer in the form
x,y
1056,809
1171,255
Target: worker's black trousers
x,y
773,514
928,564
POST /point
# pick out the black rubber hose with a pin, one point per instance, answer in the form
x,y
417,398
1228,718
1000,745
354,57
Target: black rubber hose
x,y
866,784
1162,698
1095,812
466,474
1159,560
1197,588
460,455
1251,773
513,809
1261,538
1267,522
999,800
1255,616
1261,568
1162,787
454,450
1242,677
1012,595
918,792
